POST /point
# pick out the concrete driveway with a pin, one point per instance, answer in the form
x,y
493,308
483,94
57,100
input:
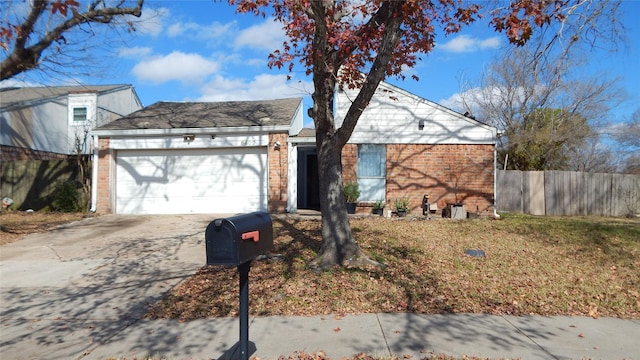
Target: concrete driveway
x,y
67,291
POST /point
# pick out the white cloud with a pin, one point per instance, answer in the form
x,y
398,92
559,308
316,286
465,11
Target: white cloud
x,y
151,22
214,31
454,102
134,52
268,35
490,43
175,29
466,43
469,100
175,66
261,87
16,83
473,99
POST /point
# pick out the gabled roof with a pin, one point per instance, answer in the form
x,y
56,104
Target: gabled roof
x,y
468,117
23,96
181,115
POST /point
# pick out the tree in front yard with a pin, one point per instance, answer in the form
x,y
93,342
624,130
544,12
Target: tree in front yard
x,y
357,44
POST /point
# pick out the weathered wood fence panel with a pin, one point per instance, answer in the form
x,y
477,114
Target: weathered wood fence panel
x,y
567,193
509,191
30,183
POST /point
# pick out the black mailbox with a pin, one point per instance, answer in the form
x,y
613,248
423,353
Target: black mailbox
x,y
238,239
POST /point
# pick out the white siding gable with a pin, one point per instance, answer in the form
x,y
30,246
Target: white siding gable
x,y
393,117
113,105
87,101
79,130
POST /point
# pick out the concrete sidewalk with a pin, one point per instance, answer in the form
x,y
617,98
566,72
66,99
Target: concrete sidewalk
x,y
404,335
81,292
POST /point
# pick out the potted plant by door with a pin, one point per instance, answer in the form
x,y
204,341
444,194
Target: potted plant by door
x,y
402,206
378,207
351,195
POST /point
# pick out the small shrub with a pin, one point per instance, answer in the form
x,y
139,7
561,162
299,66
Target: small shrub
x,y
66,197
401,204
351,192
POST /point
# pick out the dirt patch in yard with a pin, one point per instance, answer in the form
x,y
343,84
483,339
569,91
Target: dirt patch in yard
x,y
14,225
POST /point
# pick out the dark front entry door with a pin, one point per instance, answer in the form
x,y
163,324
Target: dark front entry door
x,y
308,183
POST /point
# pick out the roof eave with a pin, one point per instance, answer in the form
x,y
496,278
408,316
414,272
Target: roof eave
x,y
182,131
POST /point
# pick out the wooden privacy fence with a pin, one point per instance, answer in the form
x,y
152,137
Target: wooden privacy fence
x,y
30,183
567,193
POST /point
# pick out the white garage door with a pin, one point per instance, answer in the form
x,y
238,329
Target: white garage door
x,y
202,181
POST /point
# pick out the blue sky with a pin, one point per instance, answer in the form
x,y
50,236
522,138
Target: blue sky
x,y
203,51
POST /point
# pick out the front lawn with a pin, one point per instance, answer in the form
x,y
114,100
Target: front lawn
x,y
534,265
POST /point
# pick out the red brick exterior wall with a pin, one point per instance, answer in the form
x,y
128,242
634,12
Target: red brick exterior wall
x,y
447,173
349,163
103,205
278,172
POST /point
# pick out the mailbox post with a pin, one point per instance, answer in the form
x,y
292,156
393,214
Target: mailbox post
x,y
237,241
243,271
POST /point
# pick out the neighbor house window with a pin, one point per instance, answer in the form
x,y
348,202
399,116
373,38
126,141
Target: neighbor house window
x,y
372,171
79,114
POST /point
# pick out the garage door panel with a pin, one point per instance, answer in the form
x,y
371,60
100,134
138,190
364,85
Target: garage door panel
x,y
191,181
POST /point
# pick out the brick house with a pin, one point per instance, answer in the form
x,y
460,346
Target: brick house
x,y
232,157
406,147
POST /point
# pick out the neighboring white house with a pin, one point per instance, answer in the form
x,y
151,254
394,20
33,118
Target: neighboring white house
x,y
57,120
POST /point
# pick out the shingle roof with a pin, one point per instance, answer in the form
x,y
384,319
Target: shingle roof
x,y
170,115
307,132
17,96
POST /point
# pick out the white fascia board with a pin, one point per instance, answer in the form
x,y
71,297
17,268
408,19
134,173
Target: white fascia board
x,y
302,140
183,131
199,142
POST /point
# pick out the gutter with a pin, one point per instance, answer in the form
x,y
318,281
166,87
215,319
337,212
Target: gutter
x,y
94,175
183,131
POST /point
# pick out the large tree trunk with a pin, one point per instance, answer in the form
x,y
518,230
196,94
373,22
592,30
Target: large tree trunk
x,y
338,247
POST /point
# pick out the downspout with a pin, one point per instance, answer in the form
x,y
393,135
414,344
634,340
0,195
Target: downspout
x,y
495,175
94,175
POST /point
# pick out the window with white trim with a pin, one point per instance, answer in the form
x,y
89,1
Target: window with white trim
x,y
371,172
79,114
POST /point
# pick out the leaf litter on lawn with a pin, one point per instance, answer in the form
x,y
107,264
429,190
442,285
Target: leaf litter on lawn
x,y
16,224
527,270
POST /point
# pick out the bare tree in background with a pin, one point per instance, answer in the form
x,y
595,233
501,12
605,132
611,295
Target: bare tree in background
x,y
594,157
628,134
525,87
628,137
52,35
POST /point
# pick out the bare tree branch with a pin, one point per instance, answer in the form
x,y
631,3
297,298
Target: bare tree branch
x,y
23,56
